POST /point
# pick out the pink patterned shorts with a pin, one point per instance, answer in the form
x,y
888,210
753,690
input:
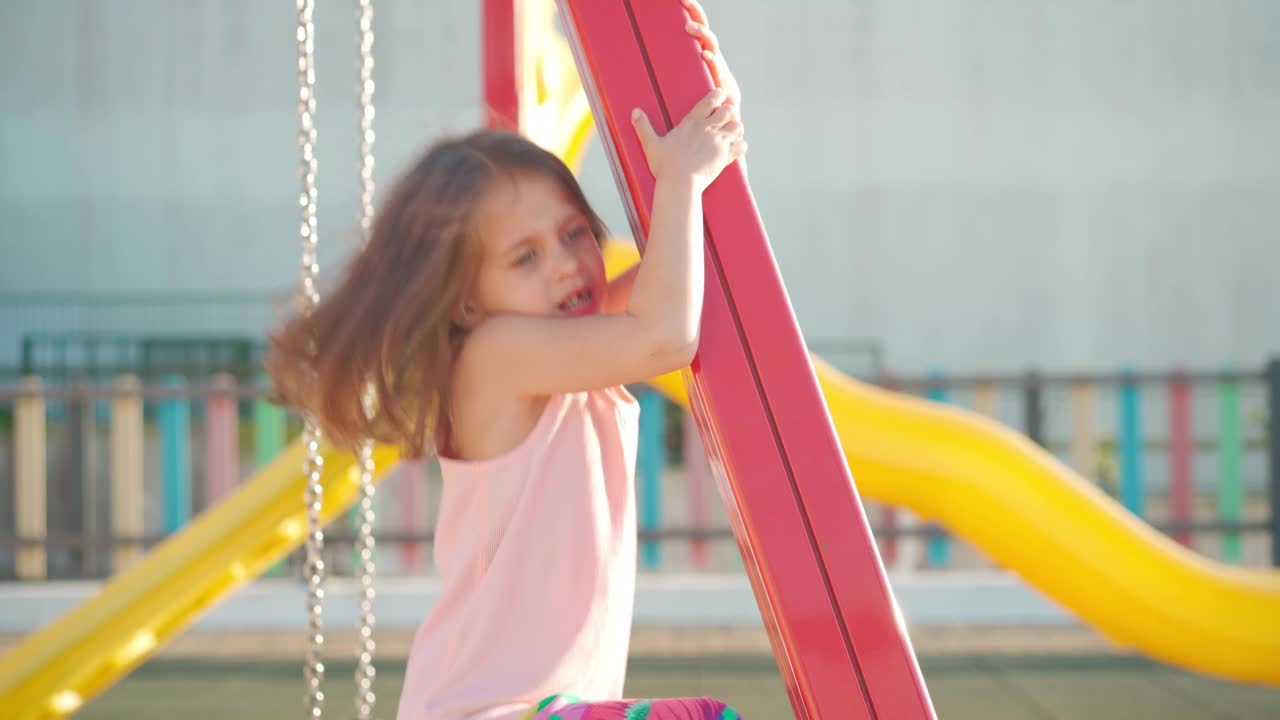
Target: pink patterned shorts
x,y
568,707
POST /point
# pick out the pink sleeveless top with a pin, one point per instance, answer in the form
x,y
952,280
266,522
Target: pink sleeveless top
x,y
536,551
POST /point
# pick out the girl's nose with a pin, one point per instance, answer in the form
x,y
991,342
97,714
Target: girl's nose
x,y
566,263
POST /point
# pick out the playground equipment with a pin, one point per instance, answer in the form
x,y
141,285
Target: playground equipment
x,y
982,481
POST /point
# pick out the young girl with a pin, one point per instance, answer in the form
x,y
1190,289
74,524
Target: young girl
x,y
480,316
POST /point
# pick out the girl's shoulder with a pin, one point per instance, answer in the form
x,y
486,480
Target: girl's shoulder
x,y
618,395
499,434
615,399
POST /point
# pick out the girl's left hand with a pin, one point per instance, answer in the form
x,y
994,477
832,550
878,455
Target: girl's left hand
x,y
697,27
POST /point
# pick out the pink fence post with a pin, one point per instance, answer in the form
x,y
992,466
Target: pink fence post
x,y
411,482
222,446
888,540
697,478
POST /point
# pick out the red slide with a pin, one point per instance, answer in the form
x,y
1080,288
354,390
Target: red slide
x,y
804,537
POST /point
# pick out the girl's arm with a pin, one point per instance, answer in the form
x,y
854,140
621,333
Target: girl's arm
x,y
619,293
657,330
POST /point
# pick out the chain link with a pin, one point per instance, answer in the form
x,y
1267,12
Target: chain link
x,y
308,297
314,570
365,674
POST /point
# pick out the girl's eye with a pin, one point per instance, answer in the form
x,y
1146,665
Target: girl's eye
x,y
578,232
525,257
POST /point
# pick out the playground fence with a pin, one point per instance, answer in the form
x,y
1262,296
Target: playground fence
x,y
93,472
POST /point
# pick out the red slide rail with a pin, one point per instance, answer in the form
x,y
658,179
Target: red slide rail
x,y
501,63
800,526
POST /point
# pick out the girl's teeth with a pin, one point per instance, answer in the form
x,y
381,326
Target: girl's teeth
x,y
572,302
577,300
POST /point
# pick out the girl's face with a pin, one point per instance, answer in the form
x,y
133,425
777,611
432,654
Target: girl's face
x,y
539,255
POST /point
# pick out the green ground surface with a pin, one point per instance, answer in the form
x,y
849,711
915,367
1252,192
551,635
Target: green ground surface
x,y
991,687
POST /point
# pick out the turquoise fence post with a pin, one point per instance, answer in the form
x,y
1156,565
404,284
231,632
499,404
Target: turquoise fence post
x,y
269,433
938,549
651,457
175,455
1273,453
1230,450
1131,445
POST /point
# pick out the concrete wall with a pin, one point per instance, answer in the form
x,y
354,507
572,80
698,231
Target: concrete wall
x,y
976,185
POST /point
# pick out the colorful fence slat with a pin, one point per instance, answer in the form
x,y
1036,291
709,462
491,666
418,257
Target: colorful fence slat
x,y
174,414
269,429
889,539
1083,445
81,501
1273,453
1230,448
938,550
222,439
697,478
649,464
1131,490
30,475
355,520
411,480
1180,457
985,400
126,473
1033,407
269,432
890,553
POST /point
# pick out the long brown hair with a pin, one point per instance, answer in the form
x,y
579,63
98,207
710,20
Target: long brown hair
x,y
390,325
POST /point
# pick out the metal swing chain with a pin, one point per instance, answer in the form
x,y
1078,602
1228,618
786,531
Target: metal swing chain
x,y
308,297
365,698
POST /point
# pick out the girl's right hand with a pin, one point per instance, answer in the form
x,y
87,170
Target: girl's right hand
x,y
705,142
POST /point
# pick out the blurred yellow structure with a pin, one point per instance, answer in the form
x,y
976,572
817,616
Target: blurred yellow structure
x,y
59,667
984,482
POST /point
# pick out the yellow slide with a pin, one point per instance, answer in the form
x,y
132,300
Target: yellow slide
x,y
1036,517
59,667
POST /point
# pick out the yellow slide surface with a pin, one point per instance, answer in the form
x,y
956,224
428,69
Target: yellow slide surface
x,y
59,667
1031,514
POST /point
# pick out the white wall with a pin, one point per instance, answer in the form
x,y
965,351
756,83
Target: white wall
x,y
977,185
